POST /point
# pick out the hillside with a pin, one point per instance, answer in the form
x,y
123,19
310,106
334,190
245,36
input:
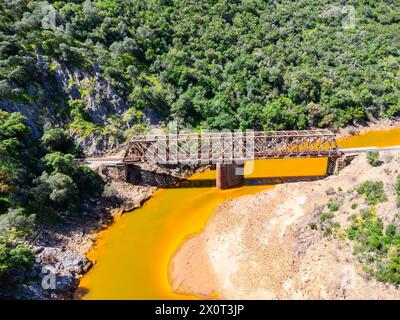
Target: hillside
x,y
106,69
337,238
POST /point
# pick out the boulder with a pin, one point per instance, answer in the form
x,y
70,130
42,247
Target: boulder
x,y
32,291
75,262
66,282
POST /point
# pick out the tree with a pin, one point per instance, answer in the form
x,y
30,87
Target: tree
x,y
88,182
59,162
58,188
13,133
283,114
57,139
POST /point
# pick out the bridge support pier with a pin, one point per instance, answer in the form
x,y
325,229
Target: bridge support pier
x,y
332,167
229,175
337,163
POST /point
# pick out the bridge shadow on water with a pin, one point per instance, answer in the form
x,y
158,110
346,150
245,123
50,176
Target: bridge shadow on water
x,y
259,181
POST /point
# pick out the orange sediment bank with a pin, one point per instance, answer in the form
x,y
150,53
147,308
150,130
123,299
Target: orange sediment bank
x,y
133,255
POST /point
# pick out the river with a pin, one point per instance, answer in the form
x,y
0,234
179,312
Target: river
x,y
133,254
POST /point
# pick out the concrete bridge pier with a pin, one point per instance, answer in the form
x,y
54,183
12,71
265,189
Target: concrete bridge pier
x,y
229,175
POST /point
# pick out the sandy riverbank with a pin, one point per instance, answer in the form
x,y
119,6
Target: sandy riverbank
x,y
262,246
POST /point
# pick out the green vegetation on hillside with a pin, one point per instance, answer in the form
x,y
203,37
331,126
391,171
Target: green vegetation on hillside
x,y
213,63
38,179
373,158
376,246
373,191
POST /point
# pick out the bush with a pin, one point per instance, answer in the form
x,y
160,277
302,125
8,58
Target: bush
x,y
313,226
391,230
12,256
373,191
334,206
65,184
4,203
326,216
376,247
15,223
59,162
373,158
57,188
367,214
109,192
57,140
88,182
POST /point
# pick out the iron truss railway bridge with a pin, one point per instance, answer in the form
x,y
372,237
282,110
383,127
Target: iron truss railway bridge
x,y
228,147
229,150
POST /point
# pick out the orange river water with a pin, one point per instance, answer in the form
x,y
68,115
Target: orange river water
x,y
133,254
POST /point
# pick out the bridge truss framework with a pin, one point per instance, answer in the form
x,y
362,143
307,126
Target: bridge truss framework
x,y
229,147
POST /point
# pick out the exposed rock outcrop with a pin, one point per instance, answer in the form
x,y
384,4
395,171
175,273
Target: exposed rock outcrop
x,y
100,97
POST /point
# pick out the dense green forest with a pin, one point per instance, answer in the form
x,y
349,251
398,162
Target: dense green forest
x,y
214,63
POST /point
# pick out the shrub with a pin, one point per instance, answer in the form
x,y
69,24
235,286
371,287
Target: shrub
x,y
4,203
59,162
328,232
373,158
373,191
366,214
336,225
12,256
109,192
88,181
325,216
354,206
376,247
391,230
58,189
398,185
65,183
334,205
56,140
15,222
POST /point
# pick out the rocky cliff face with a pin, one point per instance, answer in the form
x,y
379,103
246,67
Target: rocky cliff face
x,y
50,103
101,99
